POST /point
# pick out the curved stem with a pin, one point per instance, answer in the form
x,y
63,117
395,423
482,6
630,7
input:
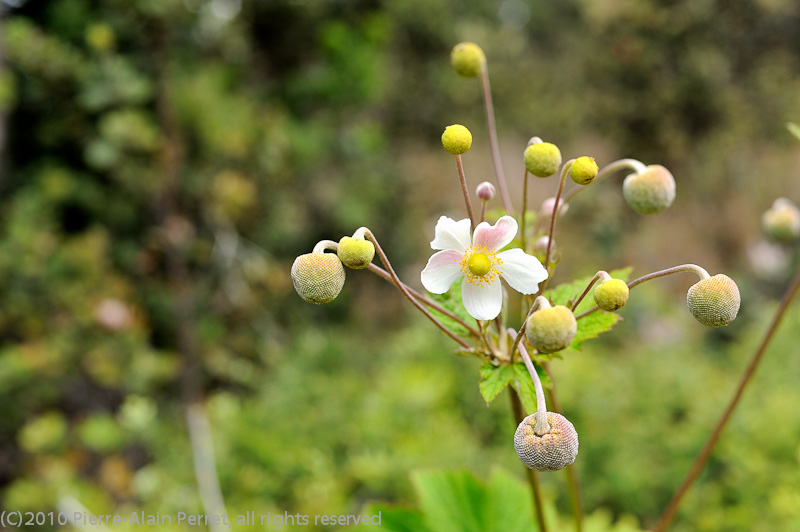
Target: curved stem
x,y
402,288
322,245
541,427
464,189
701,272
554,215
533,476
704,454
498,164
607,170
599,275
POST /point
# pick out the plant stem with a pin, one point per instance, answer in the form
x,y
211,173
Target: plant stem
x,y
607,170
465,191
554,215
541,427
533,476
405,292
599,275
524,207
704,454
498,164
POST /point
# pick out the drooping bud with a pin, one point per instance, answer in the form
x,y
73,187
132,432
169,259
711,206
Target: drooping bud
x,y
467,59
485,191
781,222
542,159
456,139
715,301
650,191
549,203
318,277
611,295
583,170
355,253
551,329
552,451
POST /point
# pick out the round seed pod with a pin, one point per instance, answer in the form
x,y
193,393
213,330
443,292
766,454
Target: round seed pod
x,y
318,277
781,222
456,139
583,170
355,253
467,59
550,452
715,301
651,191
611,295
542,159
551,329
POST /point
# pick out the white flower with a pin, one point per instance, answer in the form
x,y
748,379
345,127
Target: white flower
x,y
480,263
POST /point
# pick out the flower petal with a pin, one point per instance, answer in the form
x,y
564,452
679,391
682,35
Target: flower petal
x,y
521,271
451,234
442,271
481,301
495,236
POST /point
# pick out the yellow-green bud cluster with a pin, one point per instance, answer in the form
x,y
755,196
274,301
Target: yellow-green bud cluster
x,y
456,139
715,301
355,253
542,159
611,295
318,277
550,452
551,329
781,222
583,170
467,59
650,191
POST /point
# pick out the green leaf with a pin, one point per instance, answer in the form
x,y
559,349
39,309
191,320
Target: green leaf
x,y
526,389
451,300
393,520
493,380
794,129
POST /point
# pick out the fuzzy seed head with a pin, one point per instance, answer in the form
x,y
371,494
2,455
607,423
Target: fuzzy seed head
x,y
485,191
456,139
651,191
467,59
781,222
553,451
355,253
611,295
551,329
715,301
542,159
318,277
583,170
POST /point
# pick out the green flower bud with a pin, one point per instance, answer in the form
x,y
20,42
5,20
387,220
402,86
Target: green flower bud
x,y
318,277
467,59
355,253
456,139
651,191
542,159
551,329
715,301
611,295
781,222
550,452
583,170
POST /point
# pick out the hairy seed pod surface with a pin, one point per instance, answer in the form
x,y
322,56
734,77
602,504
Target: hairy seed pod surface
x,y
456,139
542,159
550,452
467,59
781,222
651,191
583,170
551,329
355,253
715,301
611,295
318,277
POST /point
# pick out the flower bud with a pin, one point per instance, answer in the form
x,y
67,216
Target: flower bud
x,y
542,159
583,170
781,222
651,191
318,277
355,253
611,295
467,59
456,139
541,244
550,452
549,203
485,191
551,329
715,301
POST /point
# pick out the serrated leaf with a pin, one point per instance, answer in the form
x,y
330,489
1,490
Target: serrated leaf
x,y
794,129
493,380
592,326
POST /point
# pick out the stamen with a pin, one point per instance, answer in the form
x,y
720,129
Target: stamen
x,y
494,270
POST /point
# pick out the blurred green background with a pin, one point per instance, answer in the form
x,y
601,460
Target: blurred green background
x,y
162,162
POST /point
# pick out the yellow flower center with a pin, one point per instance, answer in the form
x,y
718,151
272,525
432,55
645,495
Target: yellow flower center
x,y
480,266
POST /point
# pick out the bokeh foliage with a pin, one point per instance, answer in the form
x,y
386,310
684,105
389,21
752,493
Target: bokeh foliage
x,y
229,138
